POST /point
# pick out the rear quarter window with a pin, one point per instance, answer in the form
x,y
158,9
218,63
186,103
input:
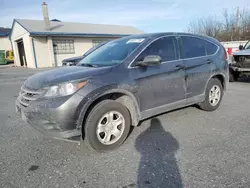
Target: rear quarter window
x,y
210,47
197,47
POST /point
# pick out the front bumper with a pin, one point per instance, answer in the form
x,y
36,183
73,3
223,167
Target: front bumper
x,y
54,119
239,69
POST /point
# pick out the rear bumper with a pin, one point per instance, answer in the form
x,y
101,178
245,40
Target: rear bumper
x,y
58,122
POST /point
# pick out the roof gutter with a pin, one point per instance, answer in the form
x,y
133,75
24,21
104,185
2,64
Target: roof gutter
x,y
76,34
4,34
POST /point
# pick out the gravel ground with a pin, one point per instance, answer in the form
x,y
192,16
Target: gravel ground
x,y
184,148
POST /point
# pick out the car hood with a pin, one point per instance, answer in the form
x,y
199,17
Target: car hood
x,y
64,74
73,59
242,52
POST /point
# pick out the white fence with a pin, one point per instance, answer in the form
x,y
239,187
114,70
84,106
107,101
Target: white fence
x,y
233,44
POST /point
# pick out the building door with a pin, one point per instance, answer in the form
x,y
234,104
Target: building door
x,y
21,52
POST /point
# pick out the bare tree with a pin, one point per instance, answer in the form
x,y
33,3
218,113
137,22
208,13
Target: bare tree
x,y
244,31
205,26
233,26
226,21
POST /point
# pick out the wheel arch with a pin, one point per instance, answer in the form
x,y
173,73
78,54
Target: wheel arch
x,y
124,97
221,78
205,104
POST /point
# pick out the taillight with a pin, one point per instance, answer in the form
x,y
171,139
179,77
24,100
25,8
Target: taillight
x,y
225,54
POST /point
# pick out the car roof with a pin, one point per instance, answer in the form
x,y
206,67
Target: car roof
x,y
156,35
166,34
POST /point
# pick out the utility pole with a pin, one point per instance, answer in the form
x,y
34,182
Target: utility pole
x,y
237,22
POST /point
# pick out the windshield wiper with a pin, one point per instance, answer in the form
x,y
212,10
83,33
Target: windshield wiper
x,y
88,65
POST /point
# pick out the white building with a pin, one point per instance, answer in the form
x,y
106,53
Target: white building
x,y
45,43
35,45
4,40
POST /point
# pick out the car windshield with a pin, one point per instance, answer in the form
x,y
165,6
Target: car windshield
x,y
247,46
113,52
94,48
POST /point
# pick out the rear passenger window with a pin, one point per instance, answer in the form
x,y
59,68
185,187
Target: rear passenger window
x,y
193,47
210,47
163,47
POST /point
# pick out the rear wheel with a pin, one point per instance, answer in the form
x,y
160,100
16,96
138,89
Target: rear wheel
x,y
107,125
214,94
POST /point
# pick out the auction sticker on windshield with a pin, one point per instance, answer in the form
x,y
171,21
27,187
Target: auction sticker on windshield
x,y
135,41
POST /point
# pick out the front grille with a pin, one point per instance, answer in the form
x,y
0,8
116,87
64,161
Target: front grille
x,y
26,96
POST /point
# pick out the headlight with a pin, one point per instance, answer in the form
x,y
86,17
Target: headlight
x,y
64,89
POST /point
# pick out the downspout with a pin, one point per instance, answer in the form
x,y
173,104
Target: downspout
x,y
11,43
12,49
34,52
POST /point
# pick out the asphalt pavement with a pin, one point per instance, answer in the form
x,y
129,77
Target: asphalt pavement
x,y
185,148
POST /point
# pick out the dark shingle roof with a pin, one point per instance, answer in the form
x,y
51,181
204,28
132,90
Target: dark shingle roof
x,y
37,27
4,31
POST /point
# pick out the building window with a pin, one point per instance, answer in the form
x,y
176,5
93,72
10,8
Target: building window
x,y
96,42
63,46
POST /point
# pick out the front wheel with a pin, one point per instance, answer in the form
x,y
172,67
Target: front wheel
x,y
213,95
107,125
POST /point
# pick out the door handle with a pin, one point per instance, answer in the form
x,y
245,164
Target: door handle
x,y
179,67
209,61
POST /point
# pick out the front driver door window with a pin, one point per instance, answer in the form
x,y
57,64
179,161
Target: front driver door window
x,y
162,84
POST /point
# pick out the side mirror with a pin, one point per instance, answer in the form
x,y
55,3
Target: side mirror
x,y
241,47
150,60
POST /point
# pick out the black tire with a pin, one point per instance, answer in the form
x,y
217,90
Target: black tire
x,y
91,139
206,105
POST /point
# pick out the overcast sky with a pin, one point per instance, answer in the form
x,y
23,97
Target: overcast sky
x,y
147,15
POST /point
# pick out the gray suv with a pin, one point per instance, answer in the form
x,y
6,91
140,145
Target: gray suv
x,y
123,82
